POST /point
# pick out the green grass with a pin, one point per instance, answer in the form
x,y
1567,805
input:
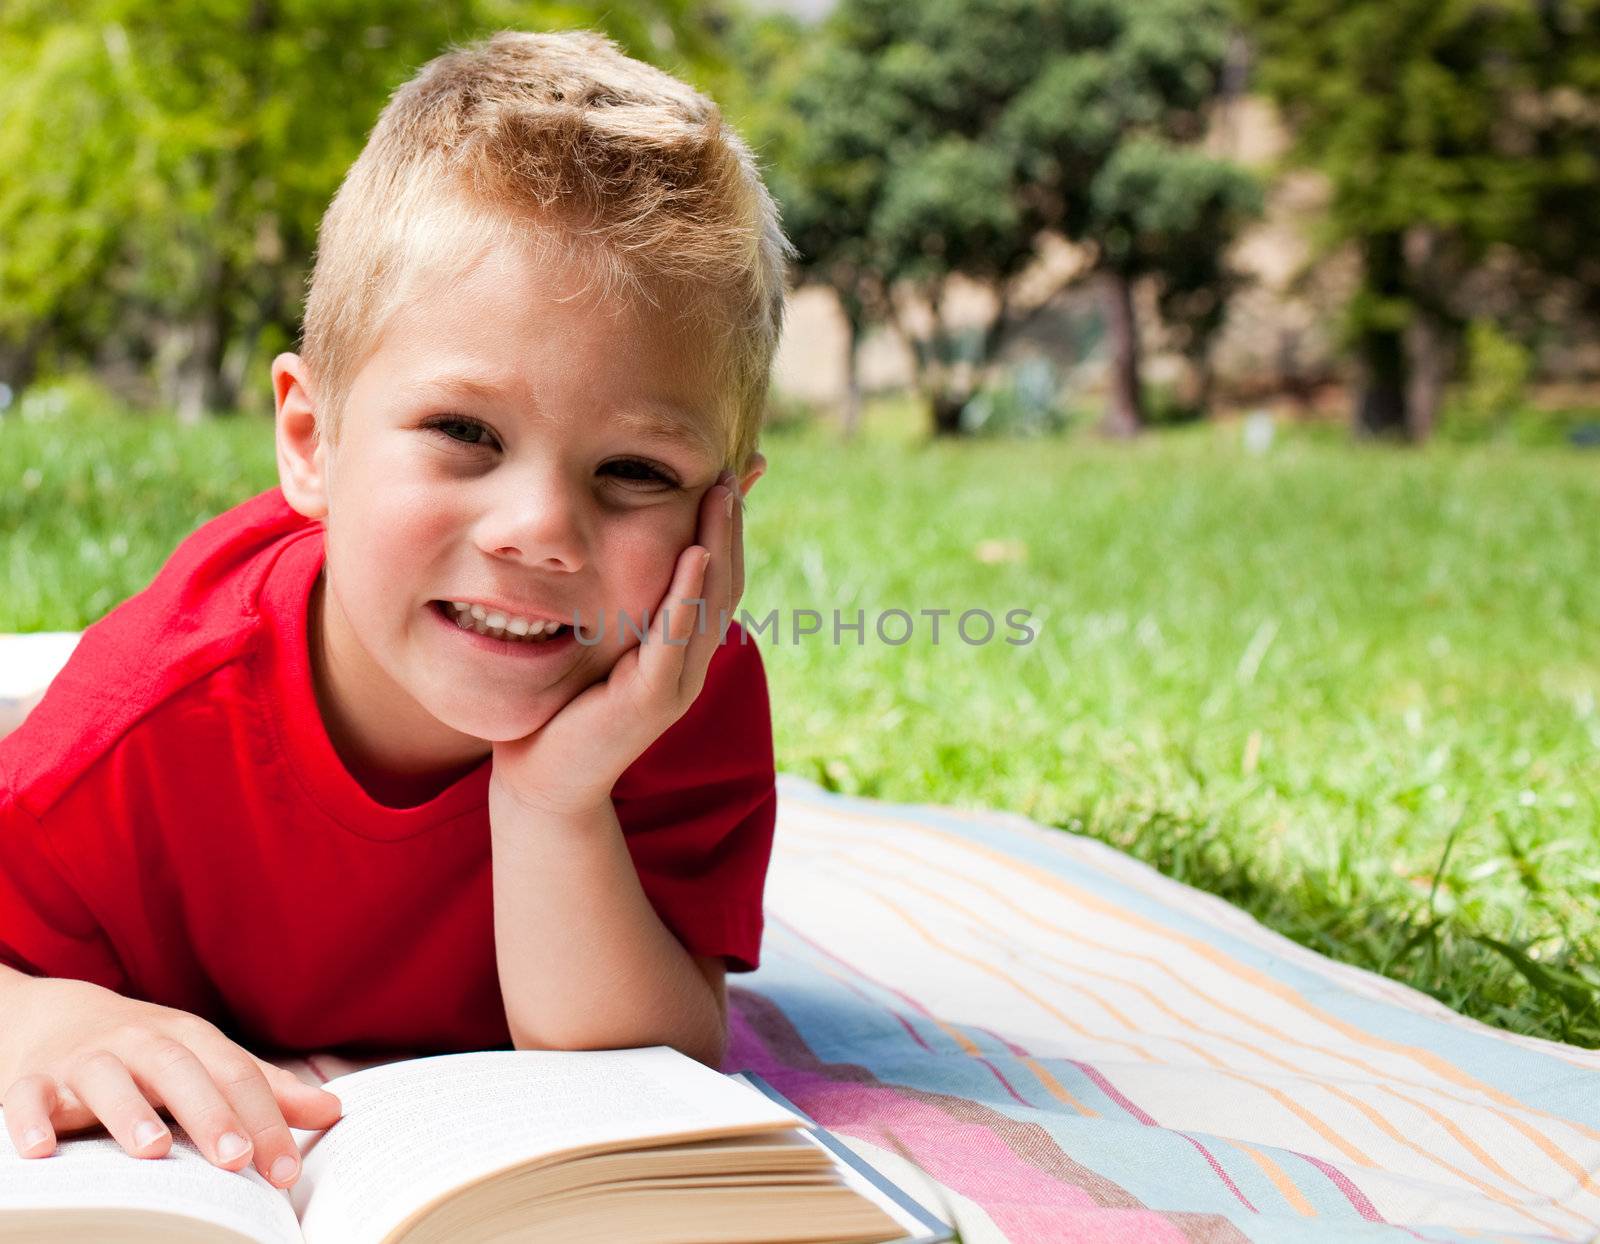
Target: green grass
x,y
1355,690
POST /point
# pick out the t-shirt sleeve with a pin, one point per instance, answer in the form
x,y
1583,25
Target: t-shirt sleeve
x,y
45,929
698,810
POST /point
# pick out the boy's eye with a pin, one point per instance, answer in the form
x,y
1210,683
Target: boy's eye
x,y
636,470
453,427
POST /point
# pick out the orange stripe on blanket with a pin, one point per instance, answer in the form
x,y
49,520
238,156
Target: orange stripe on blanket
x,y
1488,1189
1033,997
1280,1179
1151,961
1149,995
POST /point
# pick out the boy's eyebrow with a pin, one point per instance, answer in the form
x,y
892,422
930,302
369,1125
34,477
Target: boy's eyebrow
x,y
664,422
451,386
669,425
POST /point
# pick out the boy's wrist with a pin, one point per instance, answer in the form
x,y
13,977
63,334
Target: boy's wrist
x,y
571,809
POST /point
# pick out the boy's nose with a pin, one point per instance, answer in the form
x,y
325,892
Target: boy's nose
x,y
542,527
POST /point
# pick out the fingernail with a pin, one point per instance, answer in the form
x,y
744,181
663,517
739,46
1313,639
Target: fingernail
x,y
283,1169
231,1146
36,1136
147,1133
727,504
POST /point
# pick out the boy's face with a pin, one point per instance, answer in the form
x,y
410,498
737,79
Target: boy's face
x,y
491,452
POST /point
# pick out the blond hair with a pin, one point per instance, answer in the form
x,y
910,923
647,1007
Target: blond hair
x,y
553,139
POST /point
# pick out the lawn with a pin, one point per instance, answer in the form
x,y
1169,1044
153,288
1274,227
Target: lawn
x,y
1352,689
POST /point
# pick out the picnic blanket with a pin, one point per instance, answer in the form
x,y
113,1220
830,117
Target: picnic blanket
x,y
1046,1040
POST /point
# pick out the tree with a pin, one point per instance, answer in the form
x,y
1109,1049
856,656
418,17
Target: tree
x,y
1448,132
922,142
166,167
822,152
1106,138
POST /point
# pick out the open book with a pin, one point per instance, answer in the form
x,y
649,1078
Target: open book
x,y
643,1146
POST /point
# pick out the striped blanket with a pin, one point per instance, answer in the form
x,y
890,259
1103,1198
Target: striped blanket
x,y
1046,1040
1076,1048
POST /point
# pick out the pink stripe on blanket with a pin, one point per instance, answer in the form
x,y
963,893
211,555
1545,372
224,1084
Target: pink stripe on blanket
x,y
1352,1193
1051,1197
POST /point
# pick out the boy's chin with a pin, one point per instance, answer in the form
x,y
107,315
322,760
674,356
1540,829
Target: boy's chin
x,y
499,723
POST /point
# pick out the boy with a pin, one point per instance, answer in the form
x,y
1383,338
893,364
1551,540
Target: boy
x,y
345,774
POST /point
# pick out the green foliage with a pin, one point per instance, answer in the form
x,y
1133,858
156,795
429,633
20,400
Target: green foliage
x,y
1165,408
916,142
1493,401
950,208
1153,207
1420,111
167,166
67,398
1447,131
1493,392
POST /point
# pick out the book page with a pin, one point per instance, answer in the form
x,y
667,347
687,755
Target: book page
x,y
412,1131
90,1170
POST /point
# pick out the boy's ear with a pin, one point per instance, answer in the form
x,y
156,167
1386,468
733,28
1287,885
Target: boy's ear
x,y
758,468
302,453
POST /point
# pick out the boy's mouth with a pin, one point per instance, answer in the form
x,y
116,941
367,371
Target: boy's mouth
x,y
498,625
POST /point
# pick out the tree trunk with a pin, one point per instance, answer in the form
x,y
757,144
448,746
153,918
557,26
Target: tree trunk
x,y
947,408
1202,382
1433,271
201,386
1124,405
1432,360
1381,396
850,412
938,378
199,381
19,364
1381,404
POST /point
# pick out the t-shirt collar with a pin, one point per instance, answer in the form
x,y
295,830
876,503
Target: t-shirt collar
x,y
285,606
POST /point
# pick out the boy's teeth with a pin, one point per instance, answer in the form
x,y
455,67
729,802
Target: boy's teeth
x,y
493,622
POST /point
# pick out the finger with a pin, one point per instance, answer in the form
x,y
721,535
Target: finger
x,y
104,1084
67,1113
70,1113
28,1104
304,1105
715,590
244,1084
661,657
175,1075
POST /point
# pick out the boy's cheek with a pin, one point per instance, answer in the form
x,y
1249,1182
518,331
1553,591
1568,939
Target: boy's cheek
x,y
646,569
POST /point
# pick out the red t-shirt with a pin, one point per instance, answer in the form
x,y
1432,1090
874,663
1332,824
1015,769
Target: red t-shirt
x,y
176,825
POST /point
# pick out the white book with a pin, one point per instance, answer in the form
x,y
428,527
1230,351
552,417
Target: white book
x,y
644,1145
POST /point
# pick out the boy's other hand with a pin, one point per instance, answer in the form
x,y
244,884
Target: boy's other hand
x,y
76,1054
568,766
